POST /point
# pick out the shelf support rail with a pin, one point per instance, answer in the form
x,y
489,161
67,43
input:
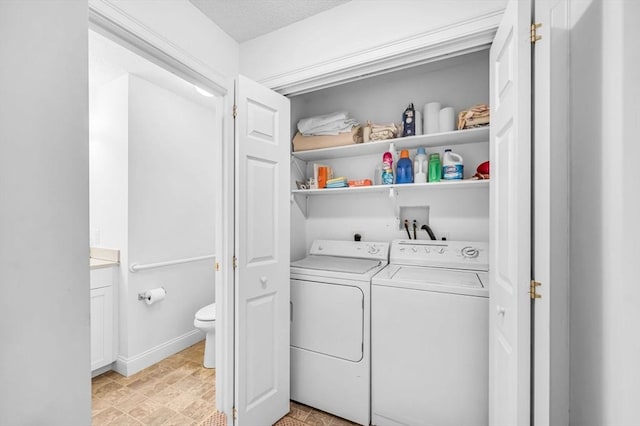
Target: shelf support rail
x,y
134,267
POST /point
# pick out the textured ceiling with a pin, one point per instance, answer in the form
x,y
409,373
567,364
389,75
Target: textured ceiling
x,y
247,19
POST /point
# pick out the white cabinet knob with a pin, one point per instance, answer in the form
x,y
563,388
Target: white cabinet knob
x,y
501,310
263,280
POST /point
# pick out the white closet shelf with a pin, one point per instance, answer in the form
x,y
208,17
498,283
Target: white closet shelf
x,y
453,184
456,137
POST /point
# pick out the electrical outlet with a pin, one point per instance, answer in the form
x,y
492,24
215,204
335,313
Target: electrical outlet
x,y
358,236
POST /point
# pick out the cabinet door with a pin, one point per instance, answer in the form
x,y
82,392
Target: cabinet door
x,y
510,218
101,327
262,244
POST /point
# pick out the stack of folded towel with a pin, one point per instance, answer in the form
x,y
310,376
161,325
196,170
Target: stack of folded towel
x,y
329,124
326,131
380,132
476,116
339,182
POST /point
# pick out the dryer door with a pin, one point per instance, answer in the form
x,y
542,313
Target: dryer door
x,y
328,319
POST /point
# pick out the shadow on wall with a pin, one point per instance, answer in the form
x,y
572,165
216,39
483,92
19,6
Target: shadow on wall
x,y
586,183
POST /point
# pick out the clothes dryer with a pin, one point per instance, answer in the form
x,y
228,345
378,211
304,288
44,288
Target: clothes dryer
x,y
330,326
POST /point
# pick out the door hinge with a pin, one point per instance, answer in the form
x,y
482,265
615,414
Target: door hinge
x,y
235,413
235,262
235,111
534,33
217,266
533,294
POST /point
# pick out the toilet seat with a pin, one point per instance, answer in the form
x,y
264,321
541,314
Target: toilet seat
x,y
208,313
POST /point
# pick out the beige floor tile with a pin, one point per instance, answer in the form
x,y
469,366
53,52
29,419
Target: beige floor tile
x,y
125,420
337,421
118,396
199,410
187,383
210,396
289,421
106,416
181,402
175,376
106,389
180,420
153,387
167,395
100,381
98,405
318,418
159,417
132,402
298,411
143,409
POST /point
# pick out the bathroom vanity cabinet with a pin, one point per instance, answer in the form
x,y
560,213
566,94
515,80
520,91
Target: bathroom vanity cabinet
x,y
102,316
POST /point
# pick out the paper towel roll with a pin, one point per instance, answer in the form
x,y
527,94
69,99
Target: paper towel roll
x,y
447,119
154,295
431,117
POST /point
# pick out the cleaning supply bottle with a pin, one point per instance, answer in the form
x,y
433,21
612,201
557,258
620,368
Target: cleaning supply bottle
x,y
409,121
420,166
452,166
394,158
387,168
404,171
435,170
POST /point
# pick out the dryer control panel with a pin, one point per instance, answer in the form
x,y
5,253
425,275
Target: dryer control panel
x,y
441,254
356,249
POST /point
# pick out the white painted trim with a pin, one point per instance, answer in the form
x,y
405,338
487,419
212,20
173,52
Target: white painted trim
x,y
113,22
102,370
130,366
462,37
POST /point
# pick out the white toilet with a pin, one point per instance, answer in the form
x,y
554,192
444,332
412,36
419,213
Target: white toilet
x,y
205,320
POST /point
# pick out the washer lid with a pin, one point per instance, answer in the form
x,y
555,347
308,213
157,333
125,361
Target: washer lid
x,y
337,264
208,313
438,277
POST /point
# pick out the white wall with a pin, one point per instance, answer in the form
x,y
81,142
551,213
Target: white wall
x,y
605,319
44,216
153,190
172,191
185,27
350,29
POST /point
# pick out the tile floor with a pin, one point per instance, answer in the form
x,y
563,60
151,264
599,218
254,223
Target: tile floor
x,y
177,391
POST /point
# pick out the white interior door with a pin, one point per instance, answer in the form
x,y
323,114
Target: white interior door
x,y
510,235
551,214
262,249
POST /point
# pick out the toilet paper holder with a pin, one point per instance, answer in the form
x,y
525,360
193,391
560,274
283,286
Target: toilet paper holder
x,y
144,296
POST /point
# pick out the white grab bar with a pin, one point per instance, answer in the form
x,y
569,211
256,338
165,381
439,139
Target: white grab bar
x,y
135,267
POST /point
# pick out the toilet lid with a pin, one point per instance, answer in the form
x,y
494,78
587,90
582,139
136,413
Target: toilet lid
x,y
208,313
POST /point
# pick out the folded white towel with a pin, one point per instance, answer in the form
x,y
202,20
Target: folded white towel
x,y
307,124
333,128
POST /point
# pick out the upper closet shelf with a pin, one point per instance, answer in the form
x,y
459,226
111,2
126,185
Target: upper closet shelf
x,y
457,137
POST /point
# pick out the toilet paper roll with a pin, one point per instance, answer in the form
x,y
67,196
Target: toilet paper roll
x,y
447,119
431,117
154,295
418,123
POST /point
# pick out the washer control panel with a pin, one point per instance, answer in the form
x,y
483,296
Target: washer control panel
x,y
356,249
443,254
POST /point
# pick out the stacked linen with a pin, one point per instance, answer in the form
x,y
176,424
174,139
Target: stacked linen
x,y
326,125
327,131
339,182
476,116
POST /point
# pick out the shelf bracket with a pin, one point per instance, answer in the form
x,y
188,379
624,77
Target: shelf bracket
x,y
303,205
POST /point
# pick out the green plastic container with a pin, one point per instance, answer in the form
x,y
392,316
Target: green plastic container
x,y
435,170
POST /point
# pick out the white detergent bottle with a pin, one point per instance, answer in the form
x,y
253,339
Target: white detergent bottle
x,y
452,166
420,166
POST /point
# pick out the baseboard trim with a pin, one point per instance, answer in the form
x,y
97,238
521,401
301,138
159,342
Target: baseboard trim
x,y
130,366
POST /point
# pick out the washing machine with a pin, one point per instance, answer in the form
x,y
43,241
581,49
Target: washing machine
x,y
430,335
330,326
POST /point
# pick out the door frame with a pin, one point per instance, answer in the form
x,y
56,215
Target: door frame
x,y
112,22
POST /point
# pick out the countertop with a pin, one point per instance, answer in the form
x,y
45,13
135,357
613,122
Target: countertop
x,y
103,257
